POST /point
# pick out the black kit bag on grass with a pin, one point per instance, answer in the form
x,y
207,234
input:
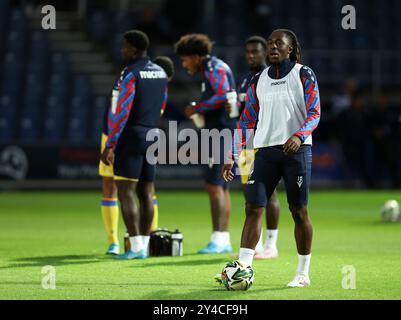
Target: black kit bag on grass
x,y
160,243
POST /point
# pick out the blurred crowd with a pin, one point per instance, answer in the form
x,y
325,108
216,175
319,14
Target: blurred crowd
x,y
369,131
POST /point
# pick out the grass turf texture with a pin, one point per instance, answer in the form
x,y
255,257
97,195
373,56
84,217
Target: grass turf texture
x,y
65,230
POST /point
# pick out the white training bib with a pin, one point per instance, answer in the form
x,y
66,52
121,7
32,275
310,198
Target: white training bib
x,y
282,109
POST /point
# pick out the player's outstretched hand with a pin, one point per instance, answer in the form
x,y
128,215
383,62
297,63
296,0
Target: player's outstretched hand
x,y
227,174
292,145
107,156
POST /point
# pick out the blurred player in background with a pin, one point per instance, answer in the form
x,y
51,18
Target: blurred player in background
x,y
137,100
284,100
109,207
168,66
194,51
255,55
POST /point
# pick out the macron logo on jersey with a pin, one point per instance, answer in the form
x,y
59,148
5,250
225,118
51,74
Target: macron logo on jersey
x,y
277,83
152,74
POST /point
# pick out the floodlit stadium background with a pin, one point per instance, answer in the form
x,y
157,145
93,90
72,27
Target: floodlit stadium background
x,y
55,84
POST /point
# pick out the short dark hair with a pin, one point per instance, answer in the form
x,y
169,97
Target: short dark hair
x,y
194,44
138,39
257,39
166,63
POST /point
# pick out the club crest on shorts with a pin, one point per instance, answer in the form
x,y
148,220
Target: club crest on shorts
x,y
300,179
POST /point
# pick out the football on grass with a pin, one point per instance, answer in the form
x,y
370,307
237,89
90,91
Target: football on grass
x,y
236,275
391,211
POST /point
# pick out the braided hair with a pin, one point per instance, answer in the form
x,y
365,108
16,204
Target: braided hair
x,y
295,55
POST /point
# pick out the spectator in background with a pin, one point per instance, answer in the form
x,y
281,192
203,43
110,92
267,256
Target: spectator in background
x,y
354,136
343,100
384,122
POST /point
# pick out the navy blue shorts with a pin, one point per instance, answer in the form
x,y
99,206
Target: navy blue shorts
x,y
213,175
130,161
271,164
216,162
133,167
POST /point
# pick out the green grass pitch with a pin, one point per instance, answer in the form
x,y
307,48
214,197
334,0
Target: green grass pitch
x,y
64,230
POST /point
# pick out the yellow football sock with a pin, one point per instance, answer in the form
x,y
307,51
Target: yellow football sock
x,y
110,218
155,221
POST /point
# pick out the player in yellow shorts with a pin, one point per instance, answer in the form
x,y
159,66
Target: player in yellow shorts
x,y
109,204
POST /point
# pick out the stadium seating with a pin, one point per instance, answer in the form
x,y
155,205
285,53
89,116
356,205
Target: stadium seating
x,y
43,89
101,104
8,116
29,126
99,25
54,120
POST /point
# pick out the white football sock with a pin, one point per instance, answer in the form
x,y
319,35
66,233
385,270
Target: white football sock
x,y
221,238
303,264
136,243
213,237
259,246
271,239
225,235
246,255
145,241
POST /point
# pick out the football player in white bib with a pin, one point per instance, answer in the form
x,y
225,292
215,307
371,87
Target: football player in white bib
x,y
283,108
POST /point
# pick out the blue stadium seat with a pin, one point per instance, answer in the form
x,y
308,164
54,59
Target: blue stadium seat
x,y
29,126
100,107
319,64
59,85
82,86
54,120
60,63
8,116
39,64
77,127
4,9
35,83
39,52
99,24
80,103
33,100
39,39
16,44
7,128
18,22
122,21
319,42
12,79
8,103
